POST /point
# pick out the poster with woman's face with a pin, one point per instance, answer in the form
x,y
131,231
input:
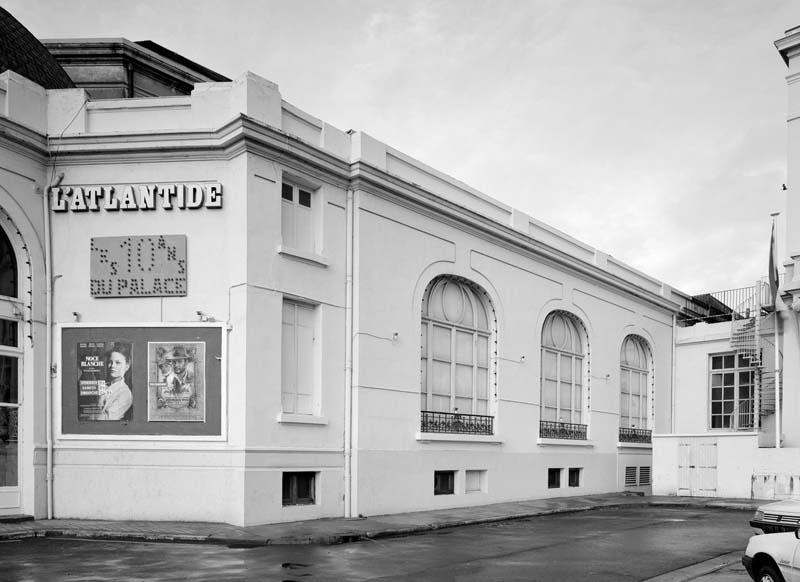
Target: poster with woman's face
x,y
176,381
104,377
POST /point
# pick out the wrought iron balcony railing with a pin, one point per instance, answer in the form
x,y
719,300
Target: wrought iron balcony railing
x,y
562,430
635,435
456,423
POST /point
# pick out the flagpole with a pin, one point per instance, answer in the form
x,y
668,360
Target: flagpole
x,y
776,297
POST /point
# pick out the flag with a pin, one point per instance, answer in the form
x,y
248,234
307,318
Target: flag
x,y
772,272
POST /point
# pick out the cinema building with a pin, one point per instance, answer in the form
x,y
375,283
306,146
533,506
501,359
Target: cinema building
x,y
218,307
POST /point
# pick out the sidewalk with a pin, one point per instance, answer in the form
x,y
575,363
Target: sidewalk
x,y
341,530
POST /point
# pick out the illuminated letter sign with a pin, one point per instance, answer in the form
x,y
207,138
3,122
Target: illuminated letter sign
x,y
138,266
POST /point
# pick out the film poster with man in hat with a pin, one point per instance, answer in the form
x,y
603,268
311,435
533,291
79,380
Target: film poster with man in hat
x,y
176,382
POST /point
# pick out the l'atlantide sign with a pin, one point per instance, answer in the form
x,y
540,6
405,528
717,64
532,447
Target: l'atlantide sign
x,y
135,197
138,266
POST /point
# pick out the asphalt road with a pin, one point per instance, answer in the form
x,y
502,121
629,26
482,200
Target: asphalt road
x,y
604,546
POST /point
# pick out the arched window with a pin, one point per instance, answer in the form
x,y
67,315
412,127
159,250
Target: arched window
x,y
8,267
562,369
456,332
634,383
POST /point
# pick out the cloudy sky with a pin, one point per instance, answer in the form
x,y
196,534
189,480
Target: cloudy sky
x,y
653,130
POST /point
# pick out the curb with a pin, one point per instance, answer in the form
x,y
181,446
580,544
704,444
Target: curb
x,y
31,530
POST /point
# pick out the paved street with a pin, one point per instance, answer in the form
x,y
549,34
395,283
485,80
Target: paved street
x,y
628,544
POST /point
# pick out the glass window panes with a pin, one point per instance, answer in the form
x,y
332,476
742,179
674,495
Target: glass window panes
x,y
8,267
9,446
297,358
634,382
732,393
562,370
454,348
9,333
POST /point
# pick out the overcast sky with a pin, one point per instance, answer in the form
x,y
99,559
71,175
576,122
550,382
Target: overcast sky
x,y
654,130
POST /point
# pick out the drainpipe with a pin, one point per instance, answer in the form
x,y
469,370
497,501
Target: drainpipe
x,y
48,273
348,355
674,382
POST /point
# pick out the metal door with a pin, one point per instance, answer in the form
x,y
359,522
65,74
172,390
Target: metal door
x,y
697,467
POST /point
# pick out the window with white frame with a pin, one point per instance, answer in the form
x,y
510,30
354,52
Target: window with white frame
x,y
297,358
732,392
562,370
456,333
634,383
297,217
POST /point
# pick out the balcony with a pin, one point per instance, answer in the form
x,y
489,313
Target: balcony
x,y
456,423
562,430
635,435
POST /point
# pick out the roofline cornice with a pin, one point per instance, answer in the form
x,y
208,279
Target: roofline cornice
x,y
24,140
389,187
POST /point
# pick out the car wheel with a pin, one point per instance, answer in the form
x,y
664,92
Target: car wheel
x,y
768,573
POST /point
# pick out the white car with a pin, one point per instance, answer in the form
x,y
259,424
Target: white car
x,y
777,516
773,557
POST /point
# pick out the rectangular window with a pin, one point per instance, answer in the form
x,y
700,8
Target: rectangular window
x,y
297,358
297,217
444,482
474,481
553,478
732,386
299,488
574,477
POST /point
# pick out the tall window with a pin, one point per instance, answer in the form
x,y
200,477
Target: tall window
x,y
297,352
8,267
455,348
297,219
732,392
562,369
634,383
10,368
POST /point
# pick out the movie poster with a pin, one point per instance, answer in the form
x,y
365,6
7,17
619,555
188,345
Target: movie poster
x,y
176,381
104,381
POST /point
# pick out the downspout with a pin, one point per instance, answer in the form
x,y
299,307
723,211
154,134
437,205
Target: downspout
x,y
674,381
48,273
348,355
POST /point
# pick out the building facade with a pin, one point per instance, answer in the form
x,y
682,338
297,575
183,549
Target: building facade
x,y
218,307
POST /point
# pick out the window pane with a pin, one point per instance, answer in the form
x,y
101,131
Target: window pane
x,y
728,379
565,400
441,379
8,333
566,369
483,351
287,192
8,380
441,343
728,361
304,198
287,224
716,362
9,446
464,345
304,229
623,381
549,365
482,388
8,267
716,379
549,393
463,382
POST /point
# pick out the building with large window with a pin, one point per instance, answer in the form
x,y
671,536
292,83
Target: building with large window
x,y
217,307
734,429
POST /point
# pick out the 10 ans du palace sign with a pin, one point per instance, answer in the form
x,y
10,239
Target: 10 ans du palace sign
x,y
135,197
